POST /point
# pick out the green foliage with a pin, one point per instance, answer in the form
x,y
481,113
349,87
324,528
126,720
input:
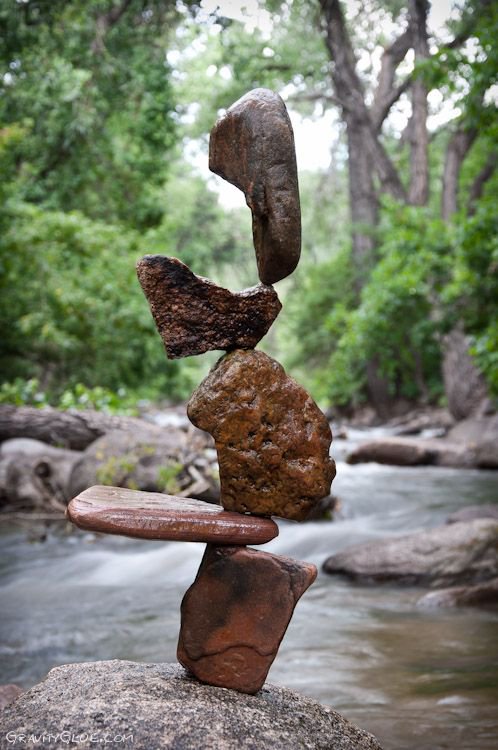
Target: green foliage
x,y
72,310
430,276
90,89
116,471
22,392
91,119
167,478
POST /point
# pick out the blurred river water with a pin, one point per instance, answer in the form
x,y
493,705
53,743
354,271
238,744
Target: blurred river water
x,y
418,679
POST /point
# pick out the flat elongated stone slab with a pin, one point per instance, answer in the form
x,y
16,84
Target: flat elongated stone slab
x,y
236,612
152,515
194,315
252,146
272,439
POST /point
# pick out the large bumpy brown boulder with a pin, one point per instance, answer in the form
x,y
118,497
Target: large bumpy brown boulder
x,y
194,315
252,146
272,440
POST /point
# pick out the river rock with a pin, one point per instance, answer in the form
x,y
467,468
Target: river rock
x,y
34,475
400,451
151,515
480,436
236,612
171,461
160,707
194,315
272,440
481,595
471,512
455,554
252,146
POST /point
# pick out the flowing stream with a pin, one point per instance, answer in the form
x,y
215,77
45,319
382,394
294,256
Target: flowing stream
x,y
418,679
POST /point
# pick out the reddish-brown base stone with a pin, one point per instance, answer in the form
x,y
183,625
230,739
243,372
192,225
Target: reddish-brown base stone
x,y
236,612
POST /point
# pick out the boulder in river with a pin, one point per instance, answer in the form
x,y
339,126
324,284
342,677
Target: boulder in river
x,y
401,451
472,512
170,462
160,706
481,595
455,554
480,434
34,475
472,443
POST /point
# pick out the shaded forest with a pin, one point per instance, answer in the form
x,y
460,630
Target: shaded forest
x,y
105,111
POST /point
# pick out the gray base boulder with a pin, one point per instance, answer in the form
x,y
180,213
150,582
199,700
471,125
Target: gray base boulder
x,y
455,554
155,706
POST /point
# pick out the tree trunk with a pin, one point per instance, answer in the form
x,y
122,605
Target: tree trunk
x,y
458,147
363,204
69,429
464,385
418,193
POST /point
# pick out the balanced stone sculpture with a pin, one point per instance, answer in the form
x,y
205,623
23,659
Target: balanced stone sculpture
x,y
272,440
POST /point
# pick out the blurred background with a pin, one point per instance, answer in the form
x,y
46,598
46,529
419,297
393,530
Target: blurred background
x,y
105,114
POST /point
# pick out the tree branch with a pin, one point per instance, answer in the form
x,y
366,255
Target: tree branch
x,y
386,93
418,192
315,96
349,90
105,22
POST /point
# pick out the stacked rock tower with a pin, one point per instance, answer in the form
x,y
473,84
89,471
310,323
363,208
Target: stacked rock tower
x,y
272,440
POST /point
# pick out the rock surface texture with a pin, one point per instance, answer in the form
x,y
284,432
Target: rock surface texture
x,y
272,440
236,613
162,708
458,553
151,515
194,315
252,146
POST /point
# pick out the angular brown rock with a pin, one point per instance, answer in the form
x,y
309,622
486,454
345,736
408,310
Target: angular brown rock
x,y
252,146
236,612
272,440
194,315
152,515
